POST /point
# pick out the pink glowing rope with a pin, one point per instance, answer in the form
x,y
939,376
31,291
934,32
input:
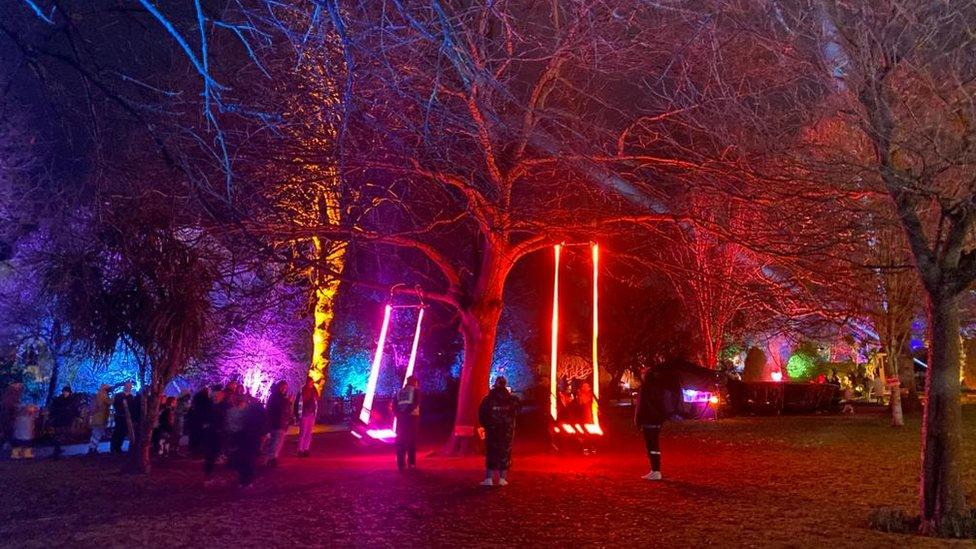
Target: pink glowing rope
x,y
374,372
413,358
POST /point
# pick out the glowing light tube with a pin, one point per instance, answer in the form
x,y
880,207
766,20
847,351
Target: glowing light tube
x,y
595,250
413,349
413,358
374,372
554,344
596,316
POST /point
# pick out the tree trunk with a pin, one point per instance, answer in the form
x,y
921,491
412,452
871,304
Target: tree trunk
x,y
942,494
140,451
52,386
894,389
326,290
910,403
479,328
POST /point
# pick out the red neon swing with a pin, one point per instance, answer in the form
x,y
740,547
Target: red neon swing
x,y
593,427
369,425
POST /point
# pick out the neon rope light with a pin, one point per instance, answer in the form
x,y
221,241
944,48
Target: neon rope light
x,y
595,252
554,345
413,358
594,427
374,372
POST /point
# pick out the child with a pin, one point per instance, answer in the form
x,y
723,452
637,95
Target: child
x,y
23,433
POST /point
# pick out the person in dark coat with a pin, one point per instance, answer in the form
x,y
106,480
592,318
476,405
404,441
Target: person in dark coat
x,y
254,425
497,415
407,410
658,401
62,416
212,416
122,408
199,412
279,418
166,426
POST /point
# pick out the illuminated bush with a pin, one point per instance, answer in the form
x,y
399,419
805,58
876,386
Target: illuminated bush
x,y
802,367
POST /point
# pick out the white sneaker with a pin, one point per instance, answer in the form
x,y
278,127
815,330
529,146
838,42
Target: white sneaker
x,y
487,482
502,482
653,475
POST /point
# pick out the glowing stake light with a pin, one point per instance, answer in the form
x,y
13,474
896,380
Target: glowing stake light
x,y
776,376
374,372
713,399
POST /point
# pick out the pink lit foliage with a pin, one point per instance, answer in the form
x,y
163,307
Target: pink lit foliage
x,y
259,360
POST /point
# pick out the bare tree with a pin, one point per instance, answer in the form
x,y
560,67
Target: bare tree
x,y
476,140
891,127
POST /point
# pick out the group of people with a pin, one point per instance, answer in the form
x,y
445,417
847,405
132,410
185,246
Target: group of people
x,y
223,424
496,413
226,425
18,423
576,401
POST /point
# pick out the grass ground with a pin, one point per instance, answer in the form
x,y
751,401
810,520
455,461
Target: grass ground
x,y
784,481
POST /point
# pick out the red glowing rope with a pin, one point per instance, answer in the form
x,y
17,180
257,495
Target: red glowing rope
x,y
554,344
594,427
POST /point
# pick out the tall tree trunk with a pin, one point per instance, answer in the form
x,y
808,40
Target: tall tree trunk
x,y
326,290
910,403
942,494
891,372
52,386
479,328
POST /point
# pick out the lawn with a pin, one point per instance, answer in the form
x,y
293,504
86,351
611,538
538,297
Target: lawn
x,y
782,481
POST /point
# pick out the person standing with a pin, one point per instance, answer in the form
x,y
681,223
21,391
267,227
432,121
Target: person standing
x,y
310,406
165,426
497,415
211,414
179,421
659,399
407,412
9,410
101,407
279,417
253,426
122,408
63,414
199,412
22,435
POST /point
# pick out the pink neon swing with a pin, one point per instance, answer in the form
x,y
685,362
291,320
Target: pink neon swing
x,y
369,426
560,426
